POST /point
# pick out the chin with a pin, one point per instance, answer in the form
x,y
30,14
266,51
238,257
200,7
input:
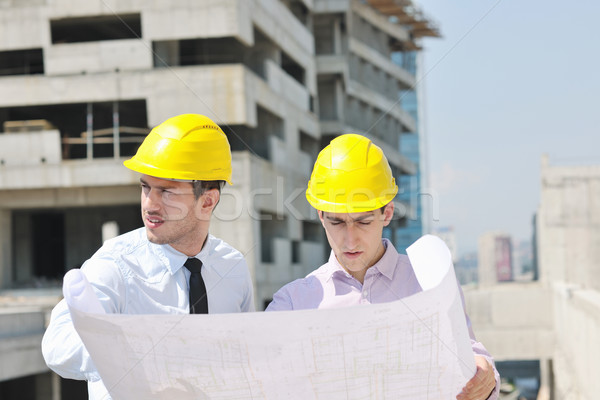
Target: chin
x,y
155,239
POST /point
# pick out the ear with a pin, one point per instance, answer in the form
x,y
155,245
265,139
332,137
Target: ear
x,y
321,216
388,213
208,201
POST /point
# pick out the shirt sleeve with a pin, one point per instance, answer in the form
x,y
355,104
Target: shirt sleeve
x,y
62,347
248,303
63,350
479,349
282,301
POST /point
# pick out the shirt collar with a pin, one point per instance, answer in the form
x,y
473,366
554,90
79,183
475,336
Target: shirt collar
x,y
174,259
386,264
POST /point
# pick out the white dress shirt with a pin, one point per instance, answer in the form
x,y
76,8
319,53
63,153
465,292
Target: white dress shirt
x,y
131,275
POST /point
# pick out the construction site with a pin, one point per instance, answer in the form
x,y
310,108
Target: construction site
x,y
84,82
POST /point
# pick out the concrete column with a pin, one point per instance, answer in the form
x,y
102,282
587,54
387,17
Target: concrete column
x,y
116,138
90,131
166,53
337,36
56,392
5,248
339,97
546,391
44,386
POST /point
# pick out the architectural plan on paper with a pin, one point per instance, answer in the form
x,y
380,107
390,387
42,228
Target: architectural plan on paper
x,y
414,348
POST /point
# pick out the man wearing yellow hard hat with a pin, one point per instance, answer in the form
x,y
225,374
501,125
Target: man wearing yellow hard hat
x,y
172,264
352,188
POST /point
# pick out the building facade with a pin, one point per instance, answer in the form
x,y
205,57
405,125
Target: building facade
x,y
495,258
568,234
412,146
554,321
84,82
367,83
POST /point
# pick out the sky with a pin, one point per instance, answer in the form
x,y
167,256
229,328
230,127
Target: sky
x,y
508,81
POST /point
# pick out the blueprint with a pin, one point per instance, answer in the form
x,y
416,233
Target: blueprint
x,y
414,348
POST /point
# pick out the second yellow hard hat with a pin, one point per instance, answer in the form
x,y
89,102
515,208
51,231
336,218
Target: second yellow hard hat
x,y
350,175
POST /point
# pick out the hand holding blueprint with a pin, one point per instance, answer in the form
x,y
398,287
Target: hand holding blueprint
x,y
414,348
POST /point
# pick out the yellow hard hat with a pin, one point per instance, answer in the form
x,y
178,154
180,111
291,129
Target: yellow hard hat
x,y
186,147
351,175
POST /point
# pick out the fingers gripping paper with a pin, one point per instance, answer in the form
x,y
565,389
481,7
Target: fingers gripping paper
x,y
414,348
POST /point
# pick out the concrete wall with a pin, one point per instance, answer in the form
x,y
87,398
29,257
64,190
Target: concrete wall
x,y
577,325
21,331
30,148
95,57
568,221
513,320
5,247
569,262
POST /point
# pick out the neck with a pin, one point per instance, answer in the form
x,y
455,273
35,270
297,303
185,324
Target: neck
x,y
193,247
359,275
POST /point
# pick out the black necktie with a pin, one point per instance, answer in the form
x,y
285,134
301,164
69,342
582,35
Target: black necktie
x,y
198,299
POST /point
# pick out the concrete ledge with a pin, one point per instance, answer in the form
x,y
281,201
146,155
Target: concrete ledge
x,y
577,321
517,343
21,356
21,332
101,56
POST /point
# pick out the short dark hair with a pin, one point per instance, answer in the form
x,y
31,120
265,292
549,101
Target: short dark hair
x,y
200,187
382,209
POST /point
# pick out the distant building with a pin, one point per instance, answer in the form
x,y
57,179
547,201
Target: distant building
x,y
495,258
523,260
411,146
568,251
466,268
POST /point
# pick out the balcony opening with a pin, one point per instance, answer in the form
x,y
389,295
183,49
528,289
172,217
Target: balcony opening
x,y
257,140
96,28
271,226
48,243
21,62
299,9
295,252
168,53
75,122
328,98
294,69
312,231
309,145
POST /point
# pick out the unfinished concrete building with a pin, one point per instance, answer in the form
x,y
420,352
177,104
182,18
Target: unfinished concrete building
x,y
548,329
82,83
568,229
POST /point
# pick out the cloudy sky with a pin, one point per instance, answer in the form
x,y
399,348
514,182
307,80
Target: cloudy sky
x,y
508,81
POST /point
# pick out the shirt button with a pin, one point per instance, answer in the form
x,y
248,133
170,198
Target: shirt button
x,y
365,294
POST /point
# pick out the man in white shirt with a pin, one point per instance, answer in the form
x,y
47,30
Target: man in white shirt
x,y
184,163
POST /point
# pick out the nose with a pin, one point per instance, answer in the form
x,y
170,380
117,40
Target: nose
x,y
352,236
151,200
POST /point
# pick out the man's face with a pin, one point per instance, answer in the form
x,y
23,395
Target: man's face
x,y
356,237
169,212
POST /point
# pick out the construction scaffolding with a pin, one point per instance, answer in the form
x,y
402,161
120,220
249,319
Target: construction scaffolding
x,y
406,13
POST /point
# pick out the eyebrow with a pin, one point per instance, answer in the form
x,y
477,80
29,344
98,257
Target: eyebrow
x,y
161,187
357,219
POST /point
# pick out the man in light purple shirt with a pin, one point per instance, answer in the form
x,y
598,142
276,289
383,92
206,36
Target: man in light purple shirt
x,y
352,188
